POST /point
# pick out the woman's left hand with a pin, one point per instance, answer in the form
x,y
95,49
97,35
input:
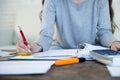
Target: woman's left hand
x,y
115,45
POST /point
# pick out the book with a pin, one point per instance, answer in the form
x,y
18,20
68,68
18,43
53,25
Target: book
x,y
106,56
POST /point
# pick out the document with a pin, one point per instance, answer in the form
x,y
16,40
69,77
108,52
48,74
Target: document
x,y
114,71
50,55
114,68
5,54
86,51
56,54
24,67
60,54
67,53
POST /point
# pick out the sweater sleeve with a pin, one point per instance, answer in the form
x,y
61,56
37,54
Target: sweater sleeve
x,y
104,25
48,19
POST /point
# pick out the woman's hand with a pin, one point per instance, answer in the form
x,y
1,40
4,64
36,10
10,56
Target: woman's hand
x,y
115,45
23,50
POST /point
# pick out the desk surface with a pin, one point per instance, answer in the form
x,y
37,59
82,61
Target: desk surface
x,y
89,70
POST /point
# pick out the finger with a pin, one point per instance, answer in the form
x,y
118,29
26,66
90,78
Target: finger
x,y
22,48
27,51
22,45
18,46
23,52
116,46
30,45
27,48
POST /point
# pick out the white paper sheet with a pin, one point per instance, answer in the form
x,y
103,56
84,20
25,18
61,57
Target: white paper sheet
x,y
5,54
56,54
24,67
114,71
41,67
67,53
114,68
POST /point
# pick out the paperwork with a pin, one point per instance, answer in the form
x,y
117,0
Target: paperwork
x,y
60,54
56,54
114,68
114,71
5,54
24,67
46,60
48,55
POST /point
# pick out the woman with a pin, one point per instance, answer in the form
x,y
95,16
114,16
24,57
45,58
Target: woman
x,y
77,21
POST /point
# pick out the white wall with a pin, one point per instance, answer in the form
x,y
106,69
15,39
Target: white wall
x,y
8,9
116,6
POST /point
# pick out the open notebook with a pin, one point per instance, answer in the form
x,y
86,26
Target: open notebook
x,y
24,67
52,55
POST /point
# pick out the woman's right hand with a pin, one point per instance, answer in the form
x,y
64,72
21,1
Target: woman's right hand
x,y
23,50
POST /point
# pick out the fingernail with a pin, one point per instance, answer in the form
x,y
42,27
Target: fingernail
x,y
29,51
28,46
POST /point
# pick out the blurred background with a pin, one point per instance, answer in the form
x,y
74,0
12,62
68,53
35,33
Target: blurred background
x,y
25,13
10,13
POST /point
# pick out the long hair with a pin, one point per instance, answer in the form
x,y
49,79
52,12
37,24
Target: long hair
x,y
43,2
113,24
40,15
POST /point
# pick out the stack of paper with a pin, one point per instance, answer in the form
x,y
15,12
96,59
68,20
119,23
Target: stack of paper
x,y
114,71
60,54
50,55
114,68
24,67
56,54
46,60
5,54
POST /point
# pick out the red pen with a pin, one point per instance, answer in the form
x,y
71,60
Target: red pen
x,y
23,36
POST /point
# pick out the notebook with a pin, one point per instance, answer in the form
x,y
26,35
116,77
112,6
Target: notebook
x,y
50,55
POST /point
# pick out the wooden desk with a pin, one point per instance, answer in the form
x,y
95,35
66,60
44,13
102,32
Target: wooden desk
x,y
89,70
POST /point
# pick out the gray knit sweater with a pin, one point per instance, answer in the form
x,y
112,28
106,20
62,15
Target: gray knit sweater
x,y
76,22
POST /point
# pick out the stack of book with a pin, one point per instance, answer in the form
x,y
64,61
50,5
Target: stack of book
x,y
106,56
